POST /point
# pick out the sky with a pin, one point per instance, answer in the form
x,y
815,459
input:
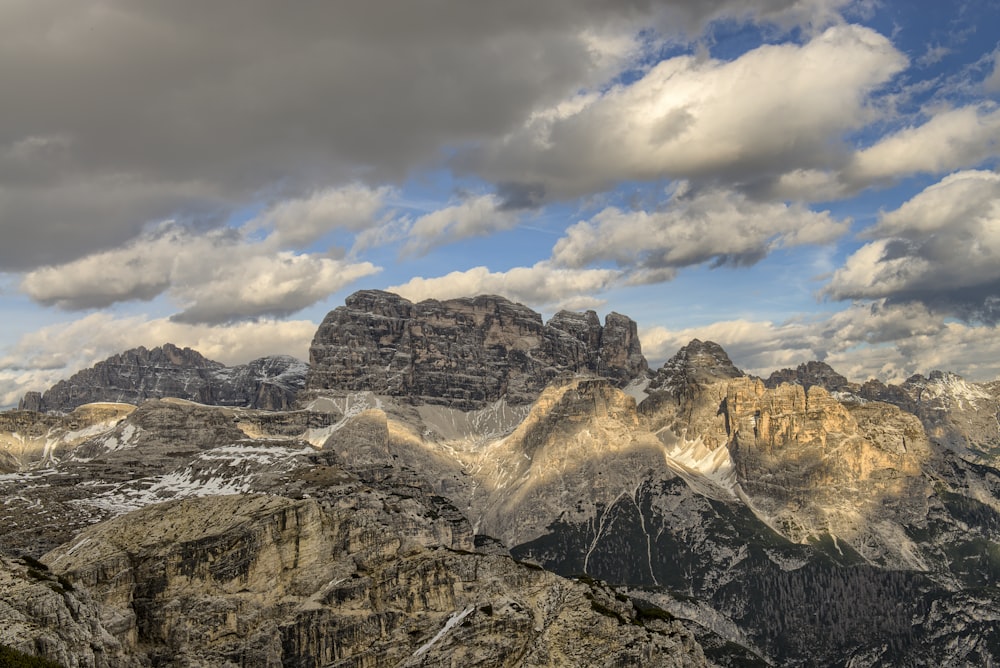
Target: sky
x,y
794,179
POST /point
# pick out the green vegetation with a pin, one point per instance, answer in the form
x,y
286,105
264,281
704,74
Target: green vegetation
x,y
11,658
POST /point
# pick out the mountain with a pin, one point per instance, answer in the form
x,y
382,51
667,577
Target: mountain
x,y
688,515
168,371
464,353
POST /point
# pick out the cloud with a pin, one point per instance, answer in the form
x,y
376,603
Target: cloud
x,y
717,226
933,55
939,248
773,109
42,358
949,140
992,82
478,216
541,285
215,276
122,113
865,340
298,222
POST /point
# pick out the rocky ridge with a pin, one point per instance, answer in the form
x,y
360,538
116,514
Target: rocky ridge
x,y
168,371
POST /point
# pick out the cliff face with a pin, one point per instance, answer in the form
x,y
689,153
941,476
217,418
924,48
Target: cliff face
x,y
464,353
46,615
168,371
359,578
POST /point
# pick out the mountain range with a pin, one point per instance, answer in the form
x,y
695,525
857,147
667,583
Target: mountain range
x,y
459,483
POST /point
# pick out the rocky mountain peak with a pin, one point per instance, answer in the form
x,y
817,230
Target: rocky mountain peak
x,y
697,363
466,352
809,374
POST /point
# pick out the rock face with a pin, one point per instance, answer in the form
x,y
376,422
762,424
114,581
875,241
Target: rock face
x,y
693,366
464,353
168,371
46,615
29,439
365,578
957,414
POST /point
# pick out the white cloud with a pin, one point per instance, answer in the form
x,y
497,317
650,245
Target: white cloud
x,y
992,82
215,276
719,226
541,285
475,217
771,110
42,358
301,221
949,140
939,248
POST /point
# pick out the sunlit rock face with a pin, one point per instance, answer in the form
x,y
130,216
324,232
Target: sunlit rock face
x,y
360,577
168,371
959,415
464,353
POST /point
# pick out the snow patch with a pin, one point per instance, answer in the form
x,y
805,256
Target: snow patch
x,y
702,467
452,622
637,389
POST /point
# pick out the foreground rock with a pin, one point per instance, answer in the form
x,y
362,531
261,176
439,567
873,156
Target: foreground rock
x,y
364,578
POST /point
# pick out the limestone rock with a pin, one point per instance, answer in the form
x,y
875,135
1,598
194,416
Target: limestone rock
x,y
813,467
45,615
31,401
812,373
681,378
168,371
959,415
464,353
348,580
29,439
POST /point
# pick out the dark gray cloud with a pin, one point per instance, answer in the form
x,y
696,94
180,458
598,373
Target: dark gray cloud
x,y
123,112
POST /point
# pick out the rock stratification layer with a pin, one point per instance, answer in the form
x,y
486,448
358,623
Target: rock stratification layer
x,y
464,353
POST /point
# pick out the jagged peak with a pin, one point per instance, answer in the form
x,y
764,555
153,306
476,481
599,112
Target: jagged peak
x,y
698,362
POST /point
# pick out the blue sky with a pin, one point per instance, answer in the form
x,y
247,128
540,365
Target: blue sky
x,y
794,179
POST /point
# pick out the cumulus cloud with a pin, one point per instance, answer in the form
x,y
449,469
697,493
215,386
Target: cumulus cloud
x,y
478,216
215,276
717,226
948,140
771,110
541,285
939,248
298,222
42,358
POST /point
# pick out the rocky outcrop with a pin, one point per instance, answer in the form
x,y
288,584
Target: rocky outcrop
x,y
42,614
958,415
694,366
464,353
168,371
31,401
813,467
357,579
809,374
